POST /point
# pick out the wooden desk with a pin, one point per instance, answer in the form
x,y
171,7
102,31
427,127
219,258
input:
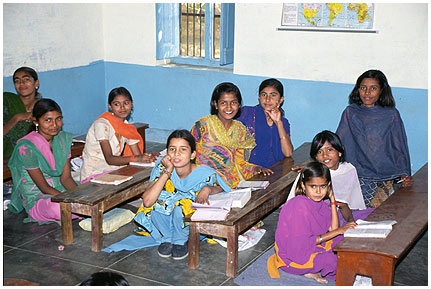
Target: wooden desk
x,y
239,220
93,200
376,258
78,147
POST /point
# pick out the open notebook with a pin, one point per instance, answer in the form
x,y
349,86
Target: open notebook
x,y
111,179
366,229
217,210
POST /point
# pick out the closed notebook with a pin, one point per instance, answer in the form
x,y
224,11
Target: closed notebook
x,y
254,185
142,164
111,179
239,197
217,210
366,229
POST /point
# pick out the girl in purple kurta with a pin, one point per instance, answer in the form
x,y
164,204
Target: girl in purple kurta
x,y
308,228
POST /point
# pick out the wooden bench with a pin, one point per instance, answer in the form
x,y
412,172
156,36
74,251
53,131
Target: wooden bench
x,y
93,200
376,258
77,148
239,220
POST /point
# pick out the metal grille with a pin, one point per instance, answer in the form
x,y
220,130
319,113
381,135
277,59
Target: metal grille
x,y
192,29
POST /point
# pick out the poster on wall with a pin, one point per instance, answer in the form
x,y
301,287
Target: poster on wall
x,y
328,15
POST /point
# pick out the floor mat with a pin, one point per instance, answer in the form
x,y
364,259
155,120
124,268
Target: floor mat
x,y
257,275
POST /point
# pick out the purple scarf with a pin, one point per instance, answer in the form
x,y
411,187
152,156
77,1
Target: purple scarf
x,y
268,147
375,141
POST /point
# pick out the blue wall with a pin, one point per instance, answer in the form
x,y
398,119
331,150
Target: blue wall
x,y
169,98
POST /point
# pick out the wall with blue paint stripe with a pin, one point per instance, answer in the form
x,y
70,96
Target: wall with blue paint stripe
x,y
171,98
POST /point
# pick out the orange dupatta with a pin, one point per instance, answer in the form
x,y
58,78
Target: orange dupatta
x,y
126,130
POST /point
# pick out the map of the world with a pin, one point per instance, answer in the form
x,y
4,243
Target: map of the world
x,y
330,15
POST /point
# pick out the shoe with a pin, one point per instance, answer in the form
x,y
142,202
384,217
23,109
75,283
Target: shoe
x,y
179,252
165,250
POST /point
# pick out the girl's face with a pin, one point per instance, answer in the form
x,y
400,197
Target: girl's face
x,y
369,91
316,188
328,156
49,124
270,98
180,152
121,106
25,84
227,106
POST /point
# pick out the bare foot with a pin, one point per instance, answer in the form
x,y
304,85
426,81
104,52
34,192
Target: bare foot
x,y
317,277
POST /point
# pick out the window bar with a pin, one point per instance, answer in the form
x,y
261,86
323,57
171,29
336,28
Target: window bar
x,y
187,30
200,30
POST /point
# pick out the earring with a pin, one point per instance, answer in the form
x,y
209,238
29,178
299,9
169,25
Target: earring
x,y
37,128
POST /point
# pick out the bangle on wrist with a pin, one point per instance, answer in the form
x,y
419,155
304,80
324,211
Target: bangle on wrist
x,y
165,171
320,239
282,137
333,203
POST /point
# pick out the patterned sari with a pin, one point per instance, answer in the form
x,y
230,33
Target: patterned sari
x,y
32,152
227,151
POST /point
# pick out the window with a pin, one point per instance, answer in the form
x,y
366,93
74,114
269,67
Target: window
x,y
195,33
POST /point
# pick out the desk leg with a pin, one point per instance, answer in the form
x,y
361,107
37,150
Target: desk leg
x,y
378,267
232,251
194,246
66,223
96,228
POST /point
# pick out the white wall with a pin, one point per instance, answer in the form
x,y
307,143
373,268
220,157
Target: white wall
x,y
130,33
66,35
399,48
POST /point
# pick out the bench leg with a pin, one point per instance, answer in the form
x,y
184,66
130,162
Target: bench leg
x,y
194,246
232,251
66,223
96,228
378,267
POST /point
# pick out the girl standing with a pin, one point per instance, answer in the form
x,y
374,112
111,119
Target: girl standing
x,y
109,135
308,228
40,165
267,124
224,143
17,109
373,133
174,183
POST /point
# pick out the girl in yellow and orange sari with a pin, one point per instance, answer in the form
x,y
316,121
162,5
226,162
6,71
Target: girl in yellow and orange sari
x,y
224,143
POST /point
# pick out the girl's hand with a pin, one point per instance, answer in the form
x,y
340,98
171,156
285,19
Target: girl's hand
x,y
202,197
347,226
264,171
407,181
25,116
274,114
145,158
331,195
154,154
166,161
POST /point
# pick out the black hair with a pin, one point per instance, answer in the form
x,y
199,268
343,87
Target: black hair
x,y
277,85
385,98
312,170
225,87
185,135
118,91
330,137
43,106
105,279
28,70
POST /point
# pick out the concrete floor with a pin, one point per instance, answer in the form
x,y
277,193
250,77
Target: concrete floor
x,y
30,252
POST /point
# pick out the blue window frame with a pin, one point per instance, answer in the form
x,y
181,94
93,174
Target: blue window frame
x,y
168,35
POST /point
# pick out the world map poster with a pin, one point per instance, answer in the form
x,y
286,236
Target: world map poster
x,y
328,15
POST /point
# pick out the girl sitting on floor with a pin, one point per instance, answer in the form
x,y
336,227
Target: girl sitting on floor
x,y
40,165
326,148
175,182
373,133
266,122
308,228
224,143
109,135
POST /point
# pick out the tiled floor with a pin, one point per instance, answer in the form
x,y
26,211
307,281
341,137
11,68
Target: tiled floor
x,y
31,252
